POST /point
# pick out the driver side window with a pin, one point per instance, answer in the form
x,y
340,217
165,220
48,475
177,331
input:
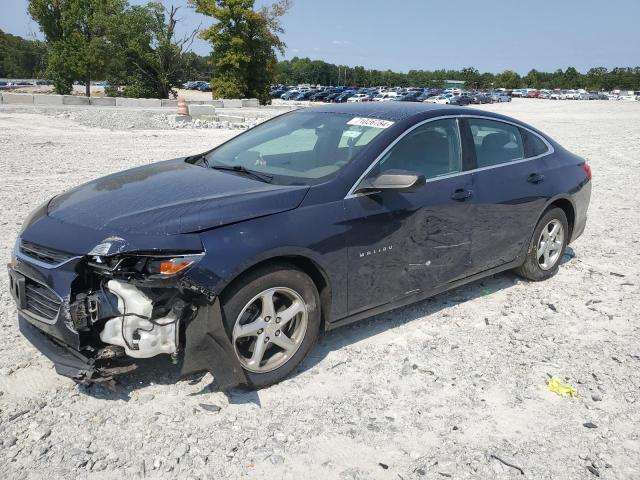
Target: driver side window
x,y
432,149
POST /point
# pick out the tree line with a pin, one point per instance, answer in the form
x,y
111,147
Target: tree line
x,y
20,58
137,49
304,70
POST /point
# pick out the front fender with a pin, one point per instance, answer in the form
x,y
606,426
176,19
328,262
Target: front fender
x,y
315,233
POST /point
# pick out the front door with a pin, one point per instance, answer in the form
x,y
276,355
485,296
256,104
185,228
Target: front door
x,y
403,243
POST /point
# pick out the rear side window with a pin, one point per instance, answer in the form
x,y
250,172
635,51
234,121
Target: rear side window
x,y
533,144
496,142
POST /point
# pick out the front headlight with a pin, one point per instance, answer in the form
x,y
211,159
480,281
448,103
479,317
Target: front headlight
x,y
143,266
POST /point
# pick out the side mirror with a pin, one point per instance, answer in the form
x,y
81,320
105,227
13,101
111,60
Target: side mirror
x,y
393,181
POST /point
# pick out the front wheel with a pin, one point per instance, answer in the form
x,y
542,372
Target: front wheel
x,y
550,238
272,316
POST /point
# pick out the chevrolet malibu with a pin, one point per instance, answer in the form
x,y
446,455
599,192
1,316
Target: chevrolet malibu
x,y
235,259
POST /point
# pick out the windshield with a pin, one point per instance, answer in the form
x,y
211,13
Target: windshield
x,y
300,147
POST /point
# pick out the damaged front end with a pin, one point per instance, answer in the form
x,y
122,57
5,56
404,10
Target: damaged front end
x,y
94,315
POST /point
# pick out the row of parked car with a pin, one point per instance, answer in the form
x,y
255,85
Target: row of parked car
x,y
383,94
580,94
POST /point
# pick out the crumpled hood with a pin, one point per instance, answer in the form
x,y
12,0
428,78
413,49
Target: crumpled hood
x,y
171,197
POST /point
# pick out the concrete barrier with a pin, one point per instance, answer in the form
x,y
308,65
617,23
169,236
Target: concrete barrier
x,y
250,102
138,102
202,110
73,100
17,99
103,101
47,99
215,103
230,119
231,103
209,105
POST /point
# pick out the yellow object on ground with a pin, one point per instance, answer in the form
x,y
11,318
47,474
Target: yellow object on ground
x,y
555,385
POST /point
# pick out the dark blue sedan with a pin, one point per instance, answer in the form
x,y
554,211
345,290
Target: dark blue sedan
x,y
235,259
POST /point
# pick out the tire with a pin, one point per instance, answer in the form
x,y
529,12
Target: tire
x,y
540,266
244,311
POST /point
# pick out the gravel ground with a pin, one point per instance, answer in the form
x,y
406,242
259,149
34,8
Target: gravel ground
x,y
436,390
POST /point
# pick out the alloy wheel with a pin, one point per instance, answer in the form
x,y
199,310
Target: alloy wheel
x,y
550,244
270,329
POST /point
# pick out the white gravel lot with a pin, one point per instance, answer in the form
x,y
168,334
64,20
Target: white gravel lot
x,y
429,391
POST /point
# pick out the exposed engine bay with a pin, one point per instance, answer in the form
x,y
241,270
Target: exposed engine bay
x,y
140,334
134,302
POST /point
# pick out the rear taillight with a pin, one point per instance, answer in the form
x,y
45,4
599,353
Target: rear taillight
x,y
587,170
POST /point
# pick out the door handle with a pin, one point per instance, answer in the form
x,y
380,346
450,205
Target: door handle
x,y
535,178
461,194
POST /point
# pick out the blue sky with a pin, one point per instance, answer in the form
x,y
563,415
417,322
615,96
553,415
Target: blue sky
x,y
493,35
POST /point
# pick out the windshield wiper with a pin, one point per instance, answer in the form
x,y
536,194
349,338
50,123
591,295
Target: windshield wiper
x,y
263,177
198,159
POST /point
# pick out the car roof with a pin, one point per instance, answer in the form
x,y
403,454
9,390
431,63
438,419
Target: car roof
x,y
397,111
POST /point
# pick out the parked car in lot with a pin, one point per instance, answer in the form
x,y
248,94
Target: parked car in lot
x,y
331,97
556,95
306,95
277,93
480,98
411,96
428,93
203,86
359,97
318,96
499,97
443,99
344,96
627,95
236,258
463,99
386,97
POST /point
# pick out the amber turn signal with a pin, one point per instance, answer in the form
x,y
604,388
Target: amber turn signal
x,y
170,266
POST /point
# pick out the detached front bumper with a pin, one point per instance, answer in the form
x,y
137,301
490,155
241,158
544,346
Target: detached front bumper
x,y
67,361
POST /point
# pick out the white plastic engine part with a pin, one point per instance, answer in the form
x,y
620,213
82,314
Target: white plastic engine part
x,y
149,339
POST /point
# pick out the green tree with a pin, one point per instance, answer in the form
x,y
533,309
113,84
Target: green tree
x,y
508,79
152,59
77,34
571,78
471,77
245,42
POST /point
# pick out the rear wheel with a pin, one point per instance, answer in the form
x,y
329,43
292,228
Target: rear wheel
x,y
272,316
547,246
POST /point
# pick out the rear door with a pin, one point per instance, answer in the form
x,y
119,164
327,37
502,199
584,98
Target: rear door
x,y
403,243
509,189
